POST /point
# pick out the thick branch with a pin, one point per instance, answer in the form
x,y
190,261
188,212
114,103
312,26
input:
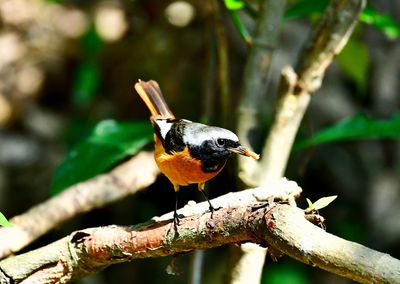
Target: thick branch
x,y
312,245
125,179
283,227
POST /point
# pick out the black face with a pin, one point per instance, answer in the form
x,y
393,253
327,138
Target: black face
x,y
213,153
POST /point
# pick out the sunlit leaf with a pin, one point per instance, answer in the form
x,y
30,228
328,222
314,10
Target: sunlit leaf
x,y
355,62
382,22
234,4
3,221
109,143
310,205
356,127
322,202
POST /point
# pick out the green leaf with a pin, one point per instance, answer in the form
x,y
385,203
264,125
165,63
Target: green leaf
x,y
305,8
383,23
234,4
322,202
310,205
355,62
241,27
356,127
108,144
3,221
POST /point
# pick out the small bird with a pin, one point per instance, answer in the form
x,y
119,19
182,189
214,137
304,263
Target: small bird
x,y
187,152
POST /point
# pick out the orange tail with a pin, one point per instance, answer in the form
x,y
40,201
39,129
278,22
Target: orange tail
x,y
151,94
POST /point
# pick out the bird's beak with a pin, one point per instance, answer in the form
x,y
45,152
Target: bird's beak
x,y
245,152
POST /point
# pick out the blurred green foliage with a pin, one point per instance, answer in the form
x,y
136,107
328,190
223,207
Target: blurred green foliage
x,y
88,76
109,143
383,23
355,62
287,272
356,127
305,8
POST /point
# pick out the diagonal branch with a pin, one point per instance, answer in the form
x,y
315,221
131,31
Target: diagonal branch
x,y
124,180
296,88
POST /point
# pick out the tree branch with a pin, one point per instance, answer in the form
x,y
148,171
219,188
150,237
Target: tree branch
x,y
125,179
312,245
281,226
249,259
327,39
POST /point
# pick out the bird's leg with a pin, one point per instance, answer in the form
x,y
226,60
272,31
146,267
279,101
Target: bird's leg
x,y
176,215
202,190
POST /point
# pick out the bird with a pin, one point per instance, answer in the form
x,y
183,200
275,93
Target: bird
x,y
187,152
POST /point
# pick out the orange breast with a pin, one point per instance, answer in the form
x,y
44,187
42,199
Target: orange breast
x,y
180,168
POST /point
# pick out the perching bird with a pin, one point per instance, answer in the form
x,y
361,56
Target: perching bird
x,y
187,152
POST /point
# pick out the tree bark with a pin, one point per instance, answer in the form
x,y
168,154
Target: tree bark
x,y
280,226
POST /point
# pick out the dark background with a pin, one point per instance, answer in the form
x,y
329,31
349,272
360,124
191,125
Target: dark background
x,y
66,65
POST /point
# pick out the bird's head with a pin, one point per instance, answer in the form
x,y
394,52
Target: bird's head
x,y
213,145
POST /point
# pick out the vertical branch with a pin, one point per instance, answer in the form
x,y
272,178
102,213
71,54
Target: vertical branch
x,y
255,79
249,259
327,39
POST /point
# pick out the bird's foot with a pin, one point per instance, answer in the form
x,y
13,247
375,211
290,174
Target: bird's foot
x,y
212,209
176,221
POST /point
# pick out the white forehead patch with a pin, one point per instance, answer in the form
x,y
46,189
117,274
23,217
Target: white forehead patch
x,y
164,126
196,133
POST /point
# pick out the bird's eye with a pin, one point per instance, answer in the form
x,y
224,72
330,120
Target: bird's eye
x,y
220,142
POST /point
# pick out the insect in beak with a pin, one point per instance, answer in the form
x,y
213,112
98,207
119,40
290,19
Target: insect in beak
x,y
245,152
